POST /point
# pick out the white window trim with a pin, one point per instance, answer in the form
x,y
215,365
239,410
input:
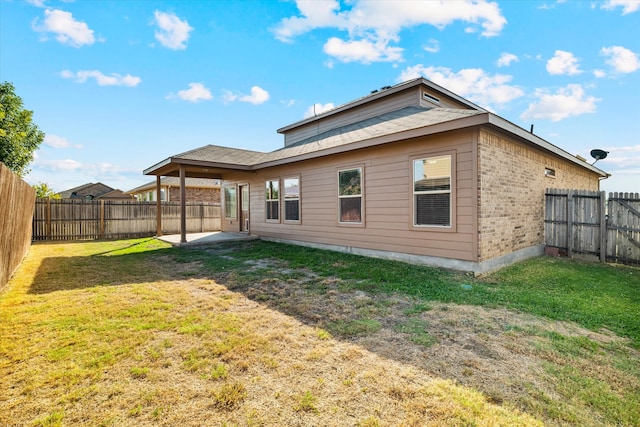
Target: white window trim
x,y
360,223
224,198
284,203
452,194
266,202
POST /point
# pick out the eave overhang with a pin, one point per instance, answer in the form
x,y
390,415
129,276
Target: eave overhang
x,y
216,169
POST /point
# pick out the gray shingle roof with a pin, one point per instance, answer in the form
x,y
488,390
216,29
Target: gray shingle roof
x,y
218,154
401,120
93,189
175,181
407,118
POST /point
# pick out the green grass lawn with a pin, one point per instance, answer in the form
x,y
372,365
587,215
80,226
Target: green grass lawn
x,y
593,295
135,332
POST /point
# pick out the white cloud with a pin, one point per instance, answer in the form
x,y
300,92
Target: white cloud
x,y
626,149
58,165
621,59
628,6
563,63
599,73
316,109
172,32
229,96
506,59
37,3
624,157
196,92
472,83
67,30
98,170
566,102
365,51
373,25
103,80
55,141
257,96
433,46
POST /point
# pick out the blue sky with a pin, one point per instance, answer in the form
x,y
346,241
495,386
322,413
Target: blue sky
x,y
120,85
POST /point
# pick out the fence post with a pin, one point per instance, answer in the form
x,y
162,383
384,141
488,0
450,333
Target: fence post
x,y
603,227
202,217
102,219
569,223
48,215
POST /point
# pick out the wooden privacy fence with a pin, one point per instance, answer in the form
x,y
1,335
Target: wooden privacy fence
x,y
578,221
71,219
16,202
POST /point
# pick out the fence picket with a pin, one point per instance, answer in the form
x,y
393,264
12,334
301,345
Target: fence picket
x,y
592,225
70,219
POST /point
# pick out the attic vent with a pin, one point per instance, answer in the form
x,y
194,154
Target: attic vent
x,y
428,97
549,173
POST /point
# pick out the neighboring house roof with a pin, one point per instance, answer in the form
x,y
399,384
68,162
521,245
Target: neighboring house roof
x,y
91,190
115,195
402,124
172,181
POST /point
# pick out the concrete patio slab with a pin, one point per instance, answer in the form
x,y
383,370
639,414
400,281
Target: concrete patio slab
x,y
205,238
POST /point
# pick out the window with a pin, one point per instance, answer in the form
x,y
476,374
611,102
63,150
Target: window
x,y
292,199
273,200
230,202
550,173
350,195
432,191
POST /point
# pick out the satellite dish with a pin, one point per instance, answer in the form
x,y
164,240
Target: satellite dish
x,y
598,154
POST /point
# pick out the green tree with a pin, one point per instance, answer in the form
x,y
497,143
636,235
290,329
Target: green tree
x,y
44,191
19,136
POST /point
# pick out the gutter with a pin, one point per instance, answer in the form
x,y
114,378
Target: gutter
x,y
536,140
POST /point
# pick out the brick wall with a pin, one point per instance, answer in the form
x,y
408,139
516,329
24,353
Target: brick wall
x,y
511,185
206,195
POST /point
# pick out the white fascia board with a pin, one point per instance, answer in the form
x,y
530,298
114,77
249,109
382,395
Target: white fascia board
x,y
536,140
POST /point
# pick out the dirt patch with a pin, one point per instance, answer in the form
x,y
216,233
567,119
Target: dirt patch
x,y
271,345
502,353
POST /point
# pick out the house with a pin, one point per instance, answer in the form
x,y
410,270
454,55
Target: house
x,y
411,172
94,191
197,190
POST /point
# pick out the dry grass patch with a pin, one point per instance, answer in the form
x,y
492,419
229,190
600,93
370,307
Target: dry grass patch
x,y
148,335
121,348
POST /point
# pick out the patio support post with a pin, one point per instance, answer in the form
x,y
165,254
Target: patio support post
x,y
158,208
183,207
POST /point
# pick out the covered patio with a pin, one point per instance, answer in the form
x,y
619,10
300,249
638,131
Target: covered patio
x,y
211,162
194,239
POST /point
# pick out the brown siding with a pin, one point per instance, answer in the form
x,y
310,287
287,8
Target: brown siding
x,y
387,200
511,185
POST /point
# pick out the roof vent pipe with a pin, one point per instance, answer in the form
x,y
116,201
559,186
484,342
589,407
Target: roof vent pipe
x,y
531,131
